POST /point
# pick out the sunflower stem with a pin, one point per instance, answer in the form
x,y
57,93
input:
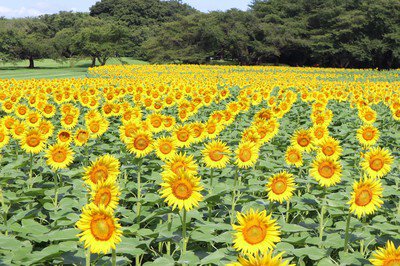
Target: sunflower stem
x,y
346,234
321,222
30,184
114,258
211,179
287,211
139,192
169,229
184,232
56,189
88,257
234,196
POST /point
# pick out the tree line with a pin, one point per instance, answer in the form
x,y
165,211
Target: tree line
x,y
331,33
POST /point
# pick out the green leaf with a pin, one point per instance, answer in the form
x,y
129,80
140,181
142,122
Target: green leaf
x,y
313,253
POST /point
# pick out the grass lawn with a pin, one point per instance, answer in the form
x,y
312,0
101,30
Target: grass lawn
x,y
48,68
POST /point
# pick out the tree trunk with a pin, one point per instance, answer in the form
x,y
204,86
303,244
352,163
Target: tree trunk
x,y
31,62
93,61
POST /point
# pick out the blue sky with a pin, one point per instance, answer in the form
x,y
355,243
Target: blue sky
x,y
23,8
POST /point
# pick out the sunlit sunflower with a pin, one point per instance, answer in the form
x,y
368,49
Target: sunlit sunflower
x,y
33,118
256,232
330,147
368,135
326,171
294,156
181,190
246,154
377,162
46,128
367,115
105,193
140,143
180,162
33,141
59,156
4,137
197,132
216,154
182,135
319,133
366,196
302,139
81,137
127,130
280,187
101,231
64,136
18,129
97,127
22,111
386,256
104,168
165,147
266,259
69,120
156,122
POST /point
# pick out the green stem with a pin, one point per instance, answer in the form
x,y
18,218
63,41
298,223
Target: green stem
x,y
234,196
321,223
346,234
211,180
184,232
30,185
56,189
139,192
88,257
287,210
169,229
114,258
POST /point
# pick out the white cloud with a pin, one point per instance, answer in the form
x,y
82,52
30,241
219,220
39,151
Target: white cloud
x,y
19,12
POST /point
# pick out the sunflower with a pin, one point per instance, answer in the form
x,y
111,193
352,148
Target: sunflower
x,y
330,147
165,147
215,154
104,168
387,256
198,132
64,136
4,137
377,162
178,162
319,133
246,154
256,232
127,130
368,135
326,171
33,118
105,193
181,190
69,120
267,259
59,156
366,196
97,127
280,187
33,141
18,129
46,128
22,111
81,137
294,156
156,122
48,110
101,231
302,139
367,115
140,143
182,135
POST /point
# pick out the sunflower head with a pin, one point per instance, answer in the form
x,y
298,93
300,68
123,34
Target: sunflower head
x,y
256,232
280,187
246,154
377,162
330,147
302,139
100,230
33,141
366,196
103,168
326,171
267,258
216,154
386,256
59,156
294,156
140,143
181,190
165,147
368,135
105,193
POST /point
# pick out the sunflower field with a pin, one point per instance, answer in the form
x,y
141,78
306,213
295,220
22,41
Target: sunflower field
x,y
201,165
